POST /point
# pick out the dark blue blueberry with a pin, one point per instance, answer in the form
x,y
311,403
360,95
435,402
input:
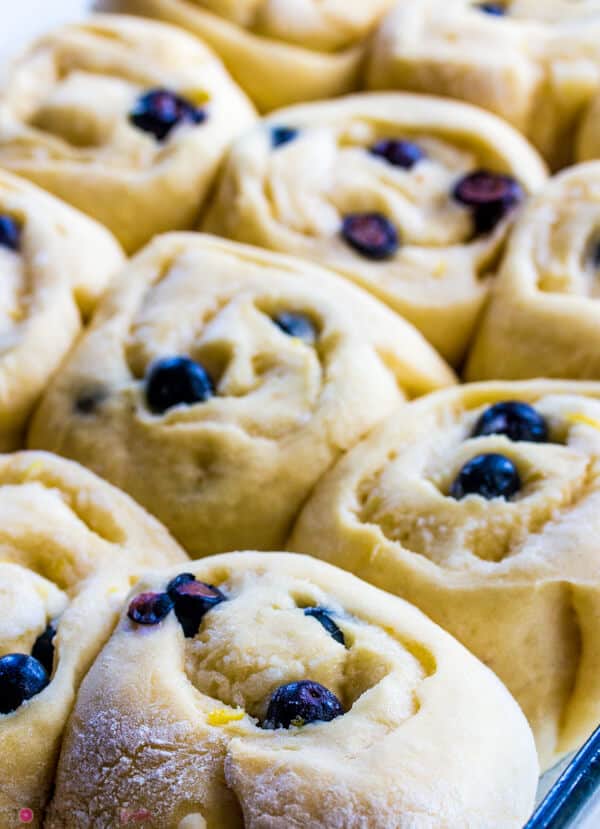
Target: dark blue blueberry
x,y
10,233
300,703
43,649
491,476
159,111
175,381
518,421
297,325
323,616
150,608
492,8
192,600
371,235
490,196
282,135
399,153
596,255
21,678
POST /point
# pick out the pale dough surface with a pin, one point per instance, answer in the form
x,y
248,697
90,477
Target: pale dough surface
x,y
49,287
538,66
544,316
238,466
70,547
515,581
64,123
279,51
293,198
168,725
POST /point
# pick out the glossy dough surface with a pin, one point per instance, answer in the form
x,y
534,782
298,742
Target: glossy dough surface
x,y
168,726
50,283
544,317
64,123
516,581
294,197
239,465
538,65
69,547
279,51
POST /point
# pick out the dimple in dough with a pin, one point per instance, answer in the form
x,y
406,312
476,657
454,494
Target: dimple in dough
x,y
238,466
169,725
70,546
544,315
538,66
64,123
49,288
279,51
515,581
293,198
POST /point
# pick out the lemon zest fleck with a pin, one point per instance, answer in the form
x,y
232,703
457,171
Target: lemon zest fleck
x,y
223,716
583,419
33,470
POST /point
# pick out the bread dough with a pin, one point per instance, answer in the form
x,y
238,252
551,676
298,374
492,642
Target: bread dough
x,y
169,726
588,139
65,123
516,581
238,466
70,546
293,198
279,51
544,317
538,66
50,284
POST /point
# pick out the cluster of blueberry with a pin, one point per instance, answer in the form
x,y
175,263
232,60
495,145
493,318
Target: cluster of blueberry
x,y
295,703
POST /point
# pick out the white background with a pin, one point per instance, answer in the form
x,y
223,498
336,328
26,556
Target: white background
x,y
28,18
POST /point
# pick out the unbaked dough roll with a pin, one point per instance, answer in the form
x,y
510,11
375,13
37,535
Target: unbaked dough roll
x,y
280,51
70,546
125,119
544,318
55,265
481,505
274,690
536,63
221,381
407,195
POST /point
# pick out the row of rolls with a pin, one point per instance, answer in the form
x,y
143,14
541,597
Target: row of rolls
x,y
287,379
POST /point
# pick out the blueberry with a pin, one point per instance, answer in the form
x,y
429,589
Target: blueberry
x,y
282,135
192,600
323,616
10,233
518,421
21,678
490,196
371,235
399,153
159,111
296,325
492,8
300,703
175,381
150,608
491,476
43,649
